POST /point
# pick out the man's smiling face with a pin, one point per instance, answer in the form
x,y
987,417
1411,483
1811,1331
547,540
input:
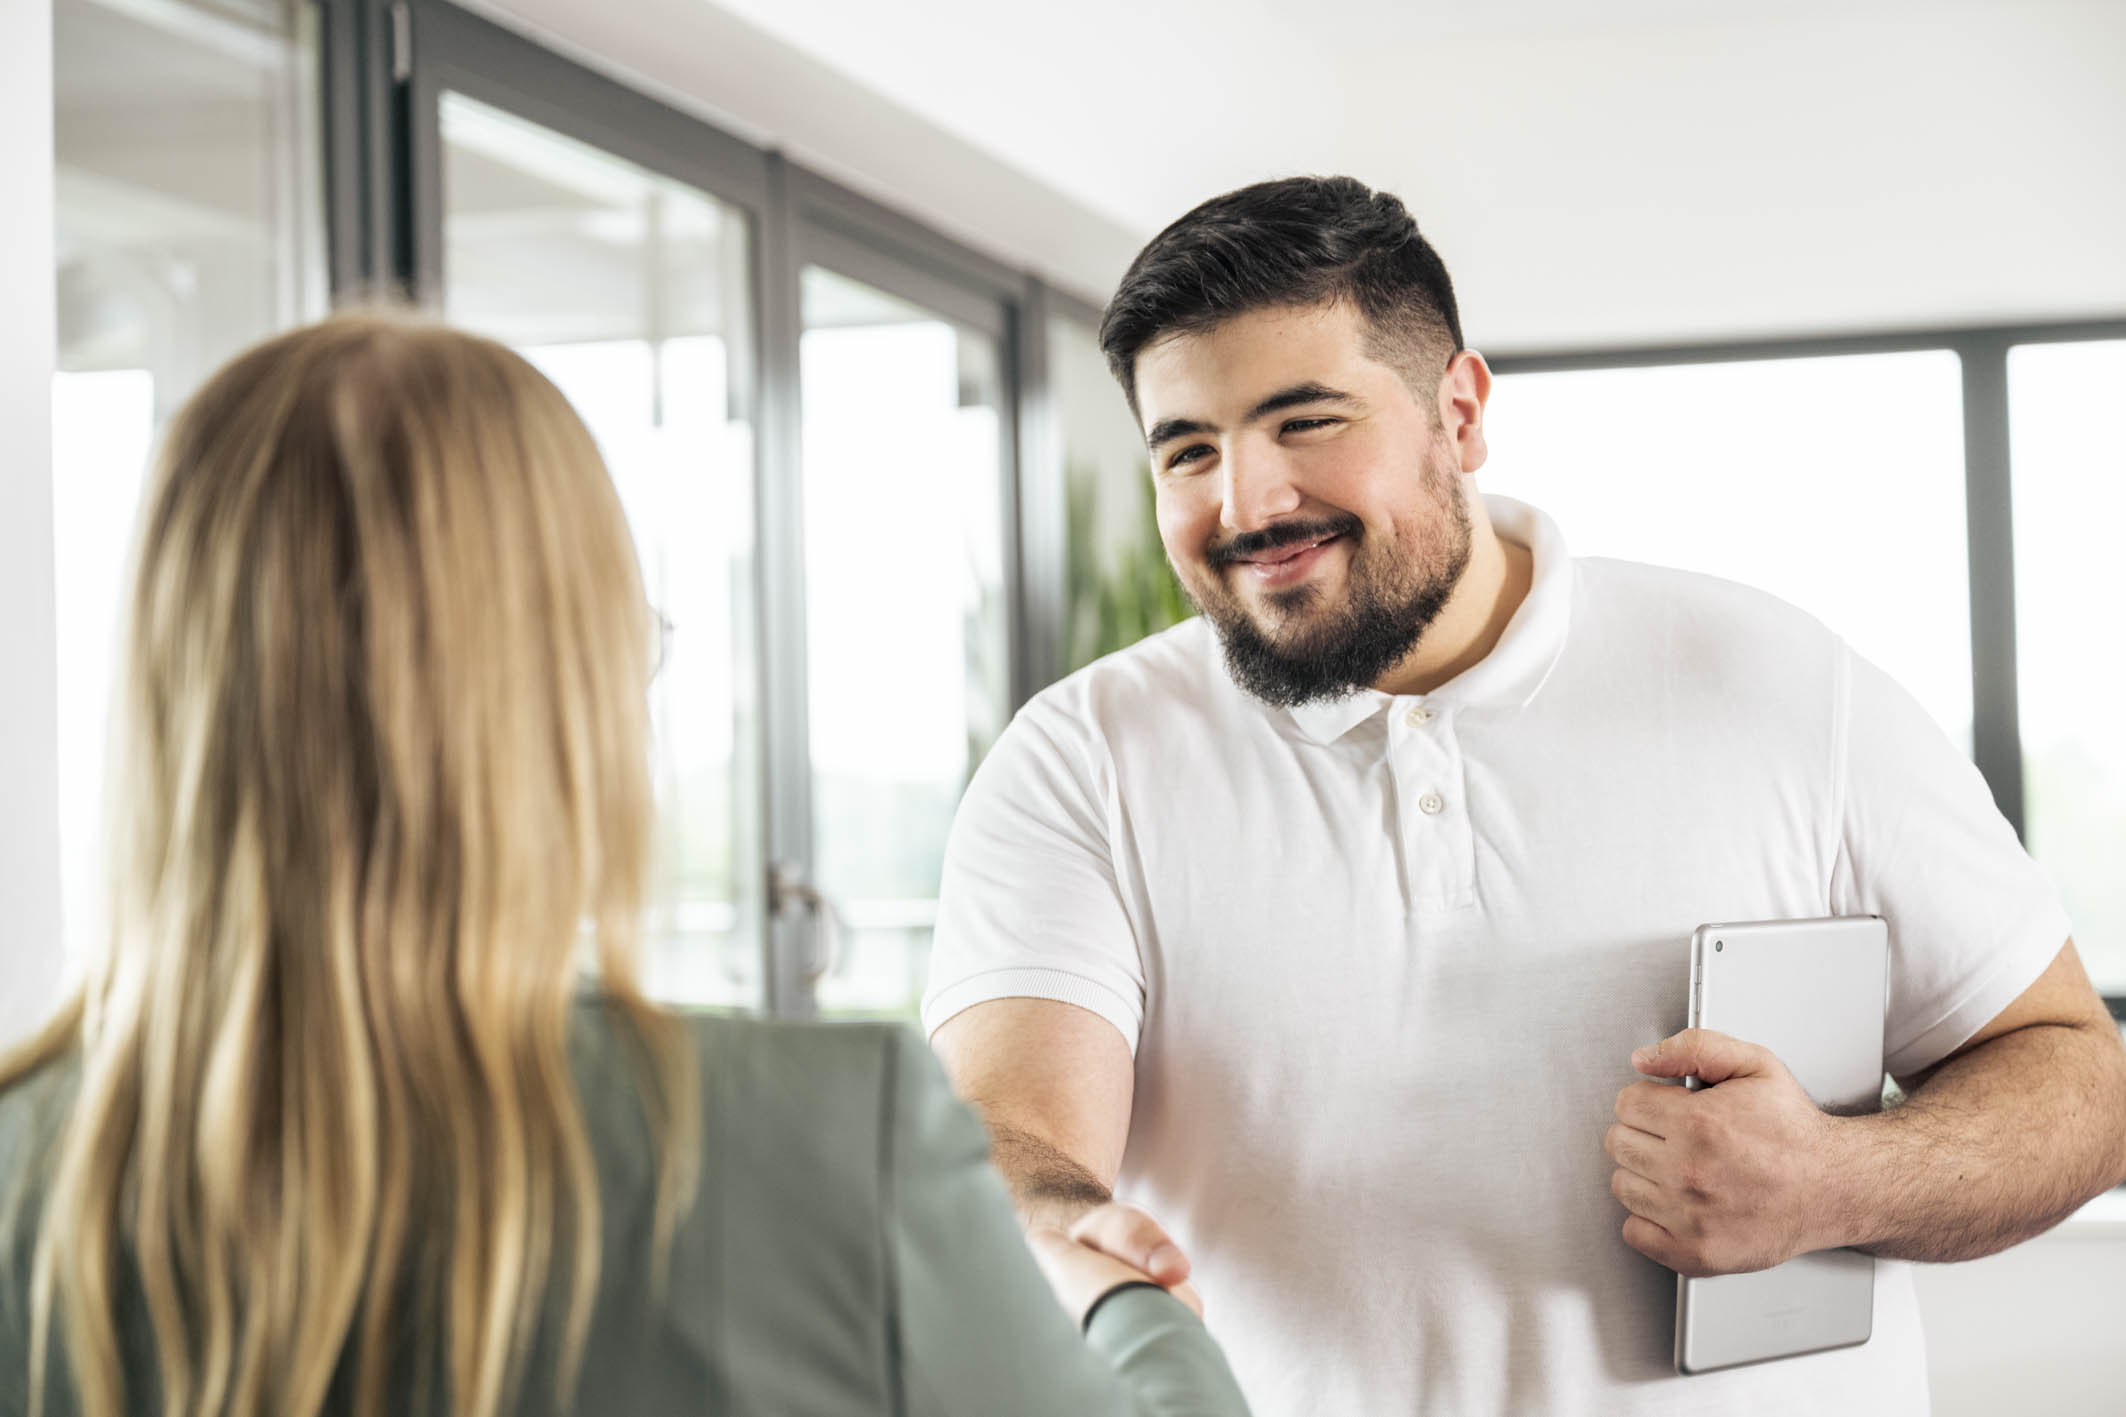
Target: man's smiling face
x,y
1308,498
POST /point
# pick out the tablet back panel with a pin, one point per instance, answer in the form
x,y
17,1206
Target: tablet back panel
x,y
1813,992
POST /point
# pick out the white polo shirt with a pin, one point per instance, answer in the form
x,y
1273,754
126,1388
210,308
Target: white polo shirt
x,y
1383,962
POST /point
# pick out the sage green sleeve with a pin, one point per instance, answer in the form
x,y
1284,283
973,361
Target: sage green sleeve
x,y
975,1330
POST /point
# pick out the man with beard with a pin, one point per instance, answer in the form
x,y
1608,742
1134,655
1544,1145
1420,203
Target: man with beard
x,y
1328,926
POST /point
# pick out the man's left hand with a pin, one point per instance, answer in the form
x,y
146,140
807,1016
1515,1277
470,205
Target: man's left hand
x,y
1736,1176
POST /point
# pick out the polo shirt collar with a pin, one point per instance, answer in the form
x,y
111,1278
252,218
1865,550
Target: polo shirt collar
x,y
1515,670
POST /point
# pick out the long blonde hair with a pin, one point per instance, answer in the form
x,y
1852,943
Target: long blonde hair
x,y
381,747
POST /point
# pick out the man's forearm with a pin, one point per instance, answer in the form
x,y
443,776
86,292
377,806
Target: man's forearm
x,y
1048,1187
1997,1146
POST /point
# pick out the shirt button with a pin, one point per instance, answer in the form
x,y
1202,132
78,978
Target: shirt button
x,y
1431,805
1417,716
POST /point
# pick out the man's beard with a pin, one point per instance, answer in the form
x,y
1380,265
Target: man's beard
x,y
1388,605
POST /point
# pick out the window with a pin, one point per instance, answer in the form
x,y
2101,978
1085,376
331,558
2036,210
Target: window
x,y
905,607
810,406
648,336
189,226
1836,484
2069,461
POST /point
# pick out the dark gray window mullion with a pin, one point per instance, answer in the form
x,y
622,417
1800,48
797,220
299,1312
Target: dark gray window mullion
x,y
363,119
1989,473
1025,396
792,936
1996,738
419,132
1037,521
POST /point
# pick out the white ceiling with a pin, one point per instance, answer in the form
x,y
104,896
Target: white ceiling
x,y
1127,104
1630,172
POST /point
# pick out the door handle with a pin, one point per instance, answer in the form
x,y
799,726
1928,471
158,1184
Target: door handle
x,y
788,890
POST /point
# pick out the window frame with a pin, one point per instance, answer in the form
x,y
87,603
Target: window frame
x,y
384,66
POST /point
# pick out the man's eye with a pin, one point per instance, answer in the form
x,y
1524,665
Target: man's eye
x,y
1307,425
1192,453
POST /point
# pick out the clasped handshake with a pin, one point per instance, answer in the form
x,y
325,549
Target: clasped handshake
x,y
1742,1174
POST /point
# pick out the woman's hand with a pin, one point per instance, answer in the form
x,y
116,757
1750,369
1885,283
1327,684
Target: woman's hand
x,y
1080,1273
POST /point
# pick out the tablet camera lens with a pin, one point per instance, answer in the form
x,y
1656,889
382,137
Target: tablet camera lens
x,y
1719,945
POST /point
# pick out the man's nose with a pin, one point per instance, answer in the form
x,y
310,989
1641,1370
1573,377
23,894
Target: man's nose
x,y
1256,490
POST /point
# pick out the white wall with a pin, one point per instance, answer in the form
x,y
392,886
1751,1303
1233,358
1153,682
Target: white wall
x,y
30,948
1776,169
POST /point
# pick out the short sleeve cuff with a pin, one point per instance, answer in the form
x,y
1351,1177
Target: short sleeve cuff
x,y
1127,1015
2016,969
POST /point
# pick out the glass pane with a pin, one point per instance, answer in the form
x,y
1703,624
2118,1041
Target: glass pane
x,y
1119,588
188,227
1835,484
2068,453
904,596
629,291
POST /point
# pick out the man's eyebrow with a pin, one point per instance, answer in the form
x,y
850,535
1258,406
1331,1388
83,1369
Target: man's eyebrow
x,y
1296,395
1168,429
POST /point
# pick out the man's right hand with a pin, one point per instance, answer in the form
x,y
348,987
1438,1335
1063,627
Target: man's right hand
x,y
1126,1233
1055,1083
1079,1273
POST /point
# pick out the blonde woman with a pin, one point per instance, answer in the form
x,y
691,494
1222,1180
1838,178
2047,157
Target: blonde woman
x,y
332,1127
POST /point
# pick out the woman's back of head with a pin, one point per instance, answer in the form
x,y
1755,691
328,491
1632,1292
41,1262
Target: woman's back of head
x,y
380,756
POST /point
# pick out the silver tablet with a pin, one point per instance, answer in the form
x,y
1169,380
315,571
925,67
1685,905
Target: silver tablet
x,y
1813,992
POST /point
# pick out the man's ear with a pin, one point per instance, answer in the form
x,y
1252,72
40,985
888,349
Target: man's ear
x,y
1463,391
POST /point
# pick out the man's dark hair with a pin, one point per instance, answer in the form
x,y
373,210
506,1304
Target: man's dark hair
x,y
1295,241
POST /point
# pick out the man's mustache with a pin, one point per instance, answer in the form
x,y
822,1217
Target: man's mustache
x,y
1250,544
